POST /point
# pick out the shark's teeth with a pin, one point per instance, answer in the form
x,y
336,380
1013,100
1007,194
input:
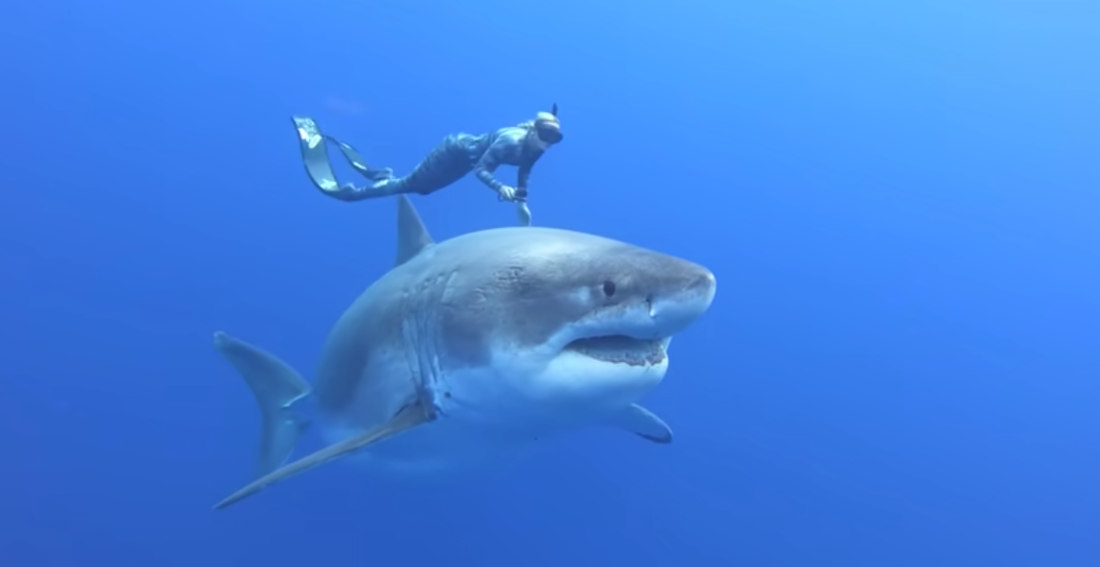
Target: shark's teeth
x,y
621,349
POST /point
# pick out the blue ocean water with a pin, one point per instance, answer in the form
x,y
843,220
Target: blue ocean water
x,y
899,201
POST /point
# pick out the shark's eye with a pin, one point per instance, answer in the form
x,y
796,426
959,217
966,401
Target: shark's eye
x,y
609,288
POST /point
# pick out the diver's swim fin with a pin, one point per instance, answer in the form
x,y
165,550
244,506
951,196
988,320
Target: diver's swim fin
x,y
314,156
356,161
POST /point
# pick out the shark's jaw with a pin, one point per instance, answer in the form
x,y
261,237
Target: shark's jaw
x,y
620,349
593,364
585,373
591,367
591,377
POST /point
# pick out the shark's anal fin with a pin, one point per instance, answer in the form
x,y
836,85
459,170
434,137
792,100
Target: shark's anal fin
x,y
412,236
411,416
643,423
277,388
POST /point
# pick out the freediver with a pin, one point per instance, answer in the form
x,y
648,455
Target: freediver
x,y
455,156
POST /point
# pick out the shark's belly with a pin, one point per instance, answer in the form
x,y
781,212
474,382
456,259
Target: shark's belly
x,y
480,424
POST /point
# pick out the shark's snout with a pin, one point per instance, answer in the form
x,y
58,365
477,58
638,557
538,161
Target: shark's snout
x,y
659,296
680,298
621,349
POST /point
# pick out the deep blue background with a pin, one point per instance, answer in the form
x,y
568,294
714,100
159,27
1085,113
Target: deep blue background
x,y
899,201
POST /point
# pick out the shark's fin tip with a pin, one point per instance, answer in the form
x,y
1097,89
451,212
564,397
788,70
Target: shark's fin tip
x,y
409,417
644,423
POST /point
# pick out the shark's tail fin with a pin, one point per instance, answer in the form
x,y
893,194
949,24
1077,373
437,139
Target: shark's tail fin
x,y
277,388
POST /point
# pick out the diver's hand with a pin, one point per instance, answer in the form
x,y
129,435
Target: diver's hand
x,y
506,193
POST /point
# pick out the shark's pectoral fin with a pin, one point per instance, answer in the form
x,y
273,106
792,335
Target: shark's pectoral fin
x,y
411,416
643,423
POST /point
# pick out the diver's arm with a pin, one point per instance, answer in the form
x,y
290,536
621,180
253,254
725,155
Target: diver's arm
x,y
521,180
489,162
524,175
484,172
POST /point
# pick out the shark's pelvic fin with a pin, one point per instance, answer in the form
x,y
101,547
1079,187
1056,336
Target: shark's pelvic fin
x,y
410,416
412,236
277,388
644,423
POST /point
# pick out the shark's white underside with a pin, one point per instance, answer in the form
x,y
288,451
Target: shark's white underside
x,y
487,420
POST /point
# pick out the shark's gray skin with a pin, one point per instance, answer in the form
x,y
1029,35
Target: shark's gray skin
x,y
471,348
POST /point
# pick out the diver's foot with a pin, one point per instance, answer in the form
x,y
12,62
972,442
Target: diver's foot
x,y
380,174
389,186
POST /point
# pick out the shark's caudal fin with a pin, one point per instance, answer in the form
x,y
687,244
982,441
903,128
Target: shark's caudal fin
x,y
412,237
277,388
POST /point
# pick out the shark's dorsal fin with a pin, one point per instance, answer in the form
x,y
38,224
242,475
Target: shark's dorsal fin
x,y
412,236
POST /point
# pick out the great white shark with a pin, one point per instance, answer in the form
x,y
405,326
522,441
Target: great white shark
x,y
472,348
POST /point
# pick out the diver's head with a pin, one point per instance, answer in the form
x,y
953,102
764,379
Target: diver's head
x,y
547,128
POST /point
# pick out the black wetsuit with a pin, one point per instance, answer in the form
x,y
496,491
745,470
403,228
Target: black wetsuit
x,y
454,157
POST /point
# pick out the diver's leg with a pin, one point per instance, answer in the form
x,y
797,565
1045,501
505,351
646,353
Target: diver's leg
x,y
445,164
382,188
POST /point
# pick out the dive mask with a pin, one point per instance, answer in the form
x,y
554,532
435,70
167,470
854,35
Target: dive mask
x,y
549,132
547,126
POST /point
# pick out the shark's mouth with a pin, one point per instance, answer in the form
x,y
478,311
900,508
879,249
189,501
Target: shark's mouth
x,y
620,349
